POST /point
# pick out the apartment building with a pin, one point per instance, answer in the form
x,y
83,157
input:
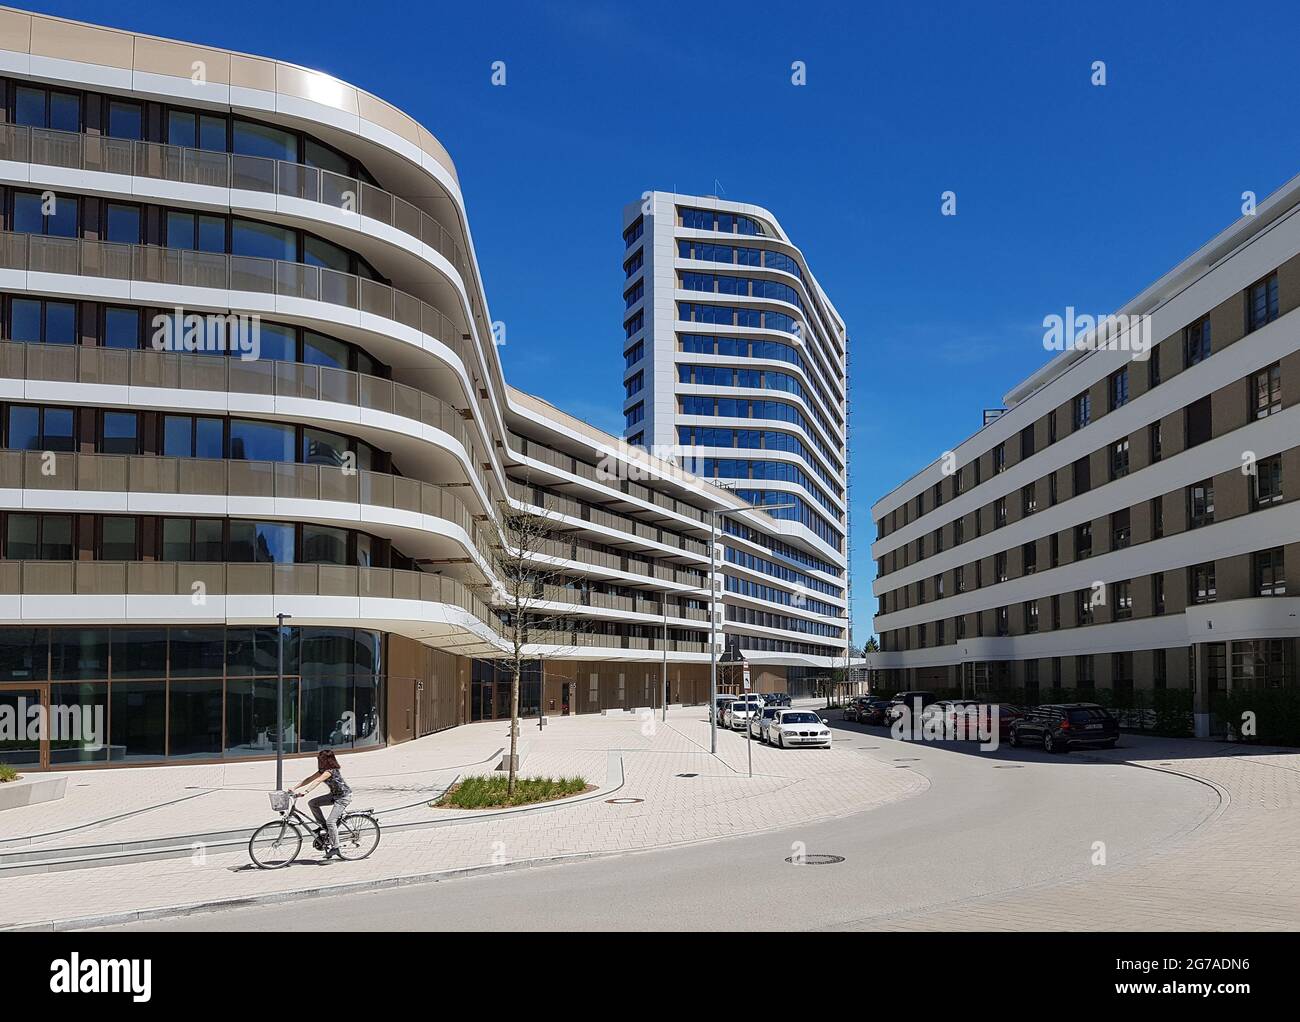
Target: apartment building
x,y
1126,523
735,361
247,370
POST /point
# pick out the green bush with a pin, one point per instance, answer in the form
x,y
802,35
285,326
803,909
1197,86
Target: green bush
x,y
1276,713
489,792
8,773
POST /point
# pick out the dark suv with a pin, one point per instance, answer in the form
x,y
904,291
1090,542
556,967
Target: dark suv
x,y
909,700
1060,727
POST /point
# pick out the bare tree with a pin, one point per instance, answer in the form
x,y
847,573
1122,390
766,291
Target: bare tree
x,y
526,575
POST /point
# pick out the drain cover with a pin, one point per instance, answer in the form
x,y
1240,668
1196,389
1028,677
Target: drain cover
x,y
688,775
905,759
623,801
1009,766
815,860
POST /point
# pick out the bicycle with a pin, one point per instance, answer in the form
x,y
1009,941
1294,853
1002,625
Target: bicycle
x,y
276,844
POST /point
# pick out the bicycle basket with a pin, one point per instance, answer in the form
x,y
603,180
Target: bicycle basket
x,y
281,801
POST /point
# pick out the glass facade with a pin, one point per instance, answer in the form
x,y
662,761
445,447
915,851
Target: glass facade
x,y
144,694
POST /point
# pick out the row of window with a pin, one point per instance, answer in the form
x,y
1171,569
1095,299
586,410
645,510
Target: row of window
x,y
780,548
771,594
751,408
754,439
800,512
723,315
714,220
49,321
1263,395
778,471
768,619
742,287
1267,578
750,348
738,255
1260,303
754,562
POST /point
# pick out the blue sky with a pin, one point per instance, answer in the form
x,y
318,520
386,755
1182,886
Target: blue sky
x,y
1067,193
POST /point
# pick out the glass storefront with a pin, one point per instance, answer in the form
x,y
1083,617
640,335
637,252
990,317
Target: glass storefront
x,y
490,689
131,695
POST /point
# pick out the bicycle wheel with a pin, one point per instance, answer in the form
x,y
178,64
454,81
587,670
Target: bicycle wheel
x,y
275,844
358,836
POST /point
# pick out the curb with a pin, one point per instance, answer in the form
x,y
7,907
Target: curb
x,y
226,904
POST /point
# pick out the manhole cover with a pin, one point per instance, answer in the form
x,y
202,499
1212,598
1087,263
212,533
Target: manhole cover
x,y
623,801
814,860
688,775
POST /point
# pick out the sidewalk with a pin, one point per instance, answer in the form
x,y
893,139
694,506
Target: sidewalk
x,y
686,795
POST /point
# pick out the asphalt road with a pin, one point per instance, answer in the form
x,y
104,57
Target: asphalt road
x,y
989,822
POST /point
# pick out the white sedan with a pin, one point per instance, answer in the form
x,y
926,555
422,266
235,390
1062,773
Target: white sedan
x,y
792,728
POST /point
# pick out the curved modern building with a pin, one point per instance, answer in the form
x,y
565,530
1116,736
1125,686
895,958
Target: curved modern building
x,y
246,370
735,361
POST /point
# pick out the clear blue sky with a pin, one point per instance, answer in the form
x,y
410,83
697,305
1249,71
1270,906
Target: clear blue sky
x,y
1068,194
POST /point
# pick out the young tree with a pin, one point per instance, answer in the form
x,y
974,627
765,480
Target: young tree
x,y
525,576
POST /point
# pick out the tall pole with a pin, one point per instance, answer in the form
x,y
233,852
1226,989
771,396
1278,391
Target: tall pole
x,y
713,633
665,703
279,702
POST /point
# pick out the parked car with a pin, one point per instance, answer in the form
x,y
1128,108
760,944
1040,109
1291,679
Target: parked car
x,y
908,699
740,710
1060,727
776,699
759,722
853,707
948,711
873,710
792,728
719,706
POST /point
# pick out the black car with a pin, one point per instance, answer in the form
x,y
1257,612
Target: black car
x,y
909,700
853,708
873,710
1059,727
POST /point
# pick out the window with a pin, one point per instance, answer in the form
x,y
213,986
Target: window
x,y
196,131
47,108
194,231
119,433
633,384
1261,302
1153,369
958,531
122,224
1121,532
1000,566
1154,442
31,428
125,119
1083,541
1052,497
1082,470
633,355
117,540
1266,391
1198,421
1157,517
1083,607
1000,512
1031,616
60,217
1054,549
1083,673
1051,426
634,414
1118,388
1200,504
1121,600
1028,500
1026,442
1159,668
1158,593
261,542
192,539
999,458
35,321
1003,625
1269,572
1266,482
193,436
1200,583
1082,410
1121,671
252,440
121,328
1196,342
39,538
1029,558
1119,459
1056,612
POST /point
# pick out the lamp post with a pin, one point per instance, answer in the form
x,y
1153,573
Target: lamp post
x,y
279,701
713,609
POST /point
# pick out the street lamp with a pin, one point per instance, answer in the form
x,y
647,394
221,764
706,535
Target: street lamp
x,y
713,608
279,702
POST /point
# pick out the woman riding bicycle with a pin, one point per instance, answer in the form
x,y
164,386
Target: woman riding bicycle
x,y
328,772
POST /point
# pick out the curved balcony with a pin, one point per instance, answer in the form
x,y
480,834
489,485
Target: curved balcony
x,y
124,475
75,151
219,374
153,264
